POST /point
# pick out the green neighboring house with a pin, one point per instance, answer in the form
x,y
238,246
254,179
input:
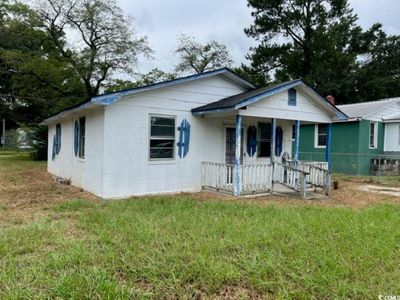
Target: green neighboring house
x,y
373,129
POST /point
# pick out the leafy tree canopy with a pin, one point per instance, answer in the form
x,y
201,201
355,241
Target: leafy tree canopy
x,y
317,40
199,58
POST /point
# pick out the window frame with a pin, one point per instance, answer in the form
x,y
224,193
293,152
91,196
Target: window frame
x,y
82,146
260,140
150,138
292,97
374,144
316,136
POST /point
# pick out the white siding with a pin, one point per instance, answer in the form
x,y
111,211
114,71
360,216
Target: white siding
x,y
127,168
87,172
277,106
392,137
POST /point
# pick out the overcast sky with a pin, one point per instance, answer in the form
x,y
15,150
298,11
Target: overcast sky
x,y
224,20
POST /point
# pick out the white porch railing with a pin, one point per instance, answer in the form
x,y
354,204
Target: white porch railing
x,y
259,178
256,178
221,176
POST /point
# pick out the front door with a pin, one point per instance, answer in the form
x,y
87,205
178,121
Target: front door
x,y
230,146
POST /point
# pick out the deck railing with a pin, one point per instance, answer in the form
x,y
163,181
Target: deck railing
x,y
318,174
291,177
221,176
259,178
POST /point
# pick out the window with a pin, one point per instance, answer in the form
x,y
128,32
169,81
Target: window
x,y
373,135
292,97
162,137
320,135
58,139
82,129
264,140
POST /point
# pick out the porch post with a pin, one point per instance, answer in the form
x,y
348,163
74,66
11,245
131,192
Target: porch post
x,y
273,138
328,157
238,178
328,145
297,140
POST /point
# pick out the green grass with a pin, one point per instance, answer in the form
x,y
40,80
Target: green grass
x,y
181,247
177,247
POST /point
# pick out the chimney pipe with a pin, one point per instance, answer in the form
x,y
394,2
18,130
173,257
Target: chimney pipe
x,y
331,99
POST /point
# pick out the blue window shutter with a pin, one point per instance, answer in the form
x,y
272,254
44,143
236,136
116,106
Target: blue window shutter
x,y
278,141
251,140
53,153
76,138
292,97
184,138
58,139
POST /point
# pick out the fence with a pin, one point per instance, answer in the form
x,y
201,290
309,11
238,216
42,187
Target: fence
x,y
359,164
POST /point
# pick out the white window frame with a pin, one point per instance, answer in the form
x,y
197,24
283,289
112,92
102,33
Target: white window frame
x,y
375,141
162,138
316,137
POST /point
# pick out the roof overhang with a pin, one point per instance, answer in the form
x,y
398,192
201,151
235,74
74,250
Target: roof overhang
x,y
110,98
337,114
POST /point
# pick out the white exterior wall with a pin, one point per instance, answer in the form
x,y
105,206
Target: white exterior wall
x,y
127,168
392,137
87,172
277,107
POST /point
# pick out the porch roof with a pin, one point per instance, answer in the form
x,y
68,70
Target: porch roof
x,y
246,98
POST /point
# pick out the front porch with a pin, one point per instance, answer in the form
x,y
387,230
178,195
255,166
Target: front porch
x,y
305,179
245,173
262,142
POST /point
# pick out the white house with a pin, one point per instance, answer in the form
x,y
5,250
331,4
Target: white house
x,y
211,130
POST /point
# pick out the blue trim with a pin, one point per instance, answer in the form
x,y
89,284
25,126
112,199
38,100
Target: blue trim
x,y
110,98
76,138
328,145
297,140
250,100
268,93
238,181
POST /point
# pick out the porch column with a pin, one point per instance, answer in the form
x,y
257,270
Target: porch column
x,y
297,141
328,145
238,177
273,139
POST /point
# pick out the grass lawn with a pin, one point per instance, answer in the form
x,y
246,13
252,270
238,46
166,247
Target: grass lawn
x,y
71,245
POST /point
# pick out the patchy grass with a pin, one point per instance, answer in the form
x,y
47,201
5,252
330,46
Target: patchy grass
x,y
181,247
393,181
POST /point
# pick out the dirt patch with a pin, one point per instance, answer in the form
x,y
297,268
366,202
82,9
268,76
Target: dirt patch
x,y
28,192
349,194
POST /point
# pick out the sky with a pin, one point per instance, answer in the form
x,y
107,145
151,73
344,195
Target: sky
x,y
162,21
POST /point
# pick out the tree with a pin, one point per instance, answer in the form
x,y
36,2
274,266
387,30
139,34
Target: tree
x,y
154,76
199,58
34,80
379,73
106,42
317,40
